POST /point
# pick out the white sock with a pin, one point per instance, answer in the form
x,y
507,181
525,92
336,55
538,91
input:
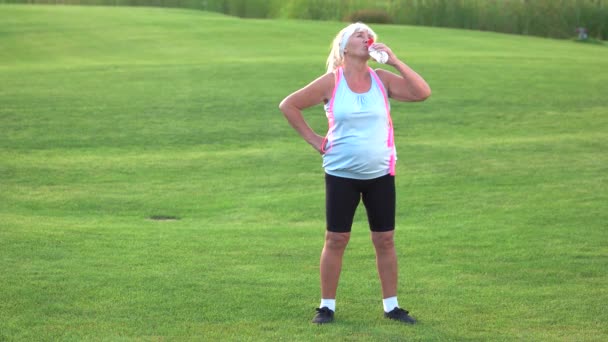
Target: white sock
x,y
329,303
390,304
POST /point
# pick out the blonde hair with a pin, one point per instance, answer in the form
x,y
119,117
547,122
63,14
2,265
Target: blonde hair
x,y
336,55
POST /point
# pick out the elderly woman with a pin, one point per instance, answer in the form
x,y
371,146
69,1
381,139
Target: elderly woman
x,y
358,154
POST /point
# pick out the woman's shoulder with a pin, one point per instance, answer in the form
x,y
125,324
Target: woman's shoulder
x,y
331,77
327,82
325,79
379,71
383,75
322,86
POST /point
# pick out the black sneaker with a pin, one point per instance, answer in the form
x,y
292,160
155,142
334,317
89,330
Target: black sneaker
x,y
400,315
324,315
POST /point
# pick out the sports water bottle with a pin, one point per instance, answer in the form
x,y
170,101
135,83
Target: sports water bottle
x,y
379,56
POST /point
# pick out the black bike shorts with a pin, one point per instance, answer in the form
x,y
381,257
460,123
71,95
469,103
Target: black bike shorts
x,y
342,196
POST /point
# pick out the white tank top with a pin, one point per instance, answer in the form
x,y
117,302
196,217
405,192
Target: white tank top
x,y
359,143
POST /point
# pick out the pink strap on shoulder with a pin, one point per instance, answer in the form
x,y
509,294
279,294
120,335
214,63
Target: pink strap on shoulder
x,y
391,136
330,111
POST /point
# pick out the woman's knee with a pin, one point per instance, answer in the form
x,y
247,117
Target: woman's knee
x,y
383,240
336,240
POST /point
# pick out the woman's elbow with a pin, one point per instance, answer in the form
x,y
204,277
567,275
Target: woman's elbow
x,y
424,94
283,105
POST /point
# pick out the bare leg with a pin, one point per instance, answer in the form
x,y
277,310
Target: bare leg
x,y
331,262
386,260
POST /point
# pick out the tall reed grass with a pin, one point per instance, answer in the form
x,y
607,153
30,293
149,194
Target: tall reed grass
x,y
547,18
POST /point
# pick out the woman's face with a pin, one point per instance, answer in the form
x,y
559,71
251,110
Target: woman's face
x,y
357,43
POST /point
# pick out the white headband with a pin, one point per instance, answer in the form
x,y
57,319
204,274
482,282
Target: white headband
x,y
352,28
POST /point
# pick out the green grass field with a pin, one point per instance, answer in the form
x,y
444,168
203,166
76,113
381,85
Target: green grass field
x,y
112,115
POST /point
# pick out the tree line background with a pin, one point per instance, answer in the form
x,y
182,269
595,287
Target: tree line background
x,y
546,18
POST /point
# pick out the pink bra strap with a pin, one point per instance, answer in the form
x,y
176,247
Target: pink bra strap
x,y
391,136
330,110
